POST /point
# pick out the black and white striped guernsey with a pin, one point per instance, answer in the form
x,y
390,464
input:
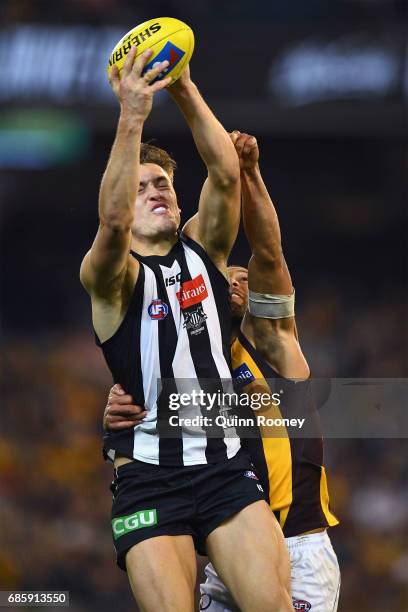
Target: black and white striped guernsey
x,y
177,330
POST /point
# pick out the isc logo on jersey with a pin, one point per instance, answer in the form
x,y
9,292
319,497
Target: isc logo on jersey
x,y
192,292
158,310
172,280
242,375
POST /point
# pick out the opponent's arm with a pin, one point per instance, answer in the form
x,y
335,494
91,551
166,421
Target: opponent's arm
x,y
216,224
275,338
104,267
120,412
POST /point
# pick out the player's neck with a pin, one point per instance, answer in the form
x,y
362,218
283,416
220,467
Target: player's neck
x,y
153,246
235,327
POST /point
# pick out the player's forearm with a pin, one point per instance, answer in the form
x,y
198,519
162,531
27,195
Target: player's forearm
x,y
259,215
212,141
121,179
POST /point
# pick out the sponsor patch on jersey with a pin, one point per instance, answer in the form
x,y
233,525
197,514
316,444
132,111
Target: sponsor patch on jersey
x,y
158,310
192,292
242,375
172,280
301,604
123,524
194,320
171,53
251,474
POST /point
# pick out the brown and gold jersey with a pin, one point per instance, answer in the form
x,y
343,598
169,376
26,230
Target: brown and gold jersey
x,y
290,467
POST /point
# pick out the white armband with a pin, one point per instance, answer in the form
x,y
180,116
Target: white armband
x,y
267,306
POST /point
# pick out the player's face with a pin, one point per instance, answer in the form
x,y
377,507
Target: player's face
x,y
238,290
156,210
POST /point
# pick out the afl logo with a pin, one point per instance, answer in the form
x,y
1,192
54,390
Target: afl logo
x,y
301,604
158,310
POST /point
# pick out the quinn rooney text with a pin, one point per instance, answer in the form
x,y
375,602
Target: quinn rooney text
x,y
234,421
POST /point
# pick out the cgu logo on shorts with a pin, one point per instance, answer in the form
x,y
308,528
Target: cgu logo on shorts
x,y
192,292
138,520
301,604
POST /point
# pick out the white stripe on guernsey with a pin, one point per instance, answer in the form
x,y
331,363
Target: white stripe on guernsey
x,y
185,374
146,439
172,290
196,266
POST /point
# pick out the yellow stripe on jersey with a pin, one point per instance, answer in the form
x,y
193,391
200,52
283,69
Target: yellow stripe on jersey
x,y
277,448
324,496
279,462
302,504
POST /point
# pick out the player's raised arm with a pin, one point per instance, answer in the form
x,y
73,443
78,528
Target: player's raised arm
x,y
271,319
260,221
104,267
217,222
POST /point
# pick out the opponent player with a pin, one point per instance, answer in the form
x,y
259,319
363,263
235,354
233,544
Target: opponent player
x,y
160,313
291,469
267,349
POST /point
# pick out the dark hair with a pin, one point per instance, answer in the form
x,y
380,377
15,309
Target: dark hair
x,y
150,154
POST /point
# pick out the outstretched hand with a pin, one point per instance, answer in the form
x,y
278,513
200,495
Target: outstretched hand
x,y
134,91
247,149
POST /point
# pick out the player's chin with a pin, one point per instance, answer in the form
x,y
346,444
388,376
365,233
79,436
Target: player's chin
x,y
166,223
237,309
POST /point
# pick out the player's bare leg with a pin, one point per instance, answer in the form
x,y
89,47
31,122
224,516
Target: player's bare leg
x,y
249,554
162,573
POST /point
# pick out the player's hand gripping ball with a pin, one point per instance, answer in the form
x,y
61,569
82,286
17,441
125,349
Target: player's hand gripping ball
x,y
169,39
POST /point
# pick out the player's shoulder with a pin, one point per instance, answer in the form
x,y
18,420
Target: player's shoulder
x,y
214,262
112,290
110,310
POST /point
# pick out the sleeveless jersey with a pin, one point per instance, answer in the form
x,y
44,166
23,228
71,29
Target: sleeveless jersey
x,y
290,468
175,337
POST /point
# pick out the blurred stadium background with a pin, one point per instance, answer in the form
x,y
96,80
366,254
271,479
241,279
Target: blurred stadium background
x,y
324,86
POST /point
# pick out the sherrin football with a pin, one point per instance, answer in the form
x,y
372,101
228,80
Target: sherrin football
x,y
169,39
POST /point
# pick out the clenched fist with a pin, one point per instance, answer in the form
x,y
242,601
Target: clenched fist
x,y
246,147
